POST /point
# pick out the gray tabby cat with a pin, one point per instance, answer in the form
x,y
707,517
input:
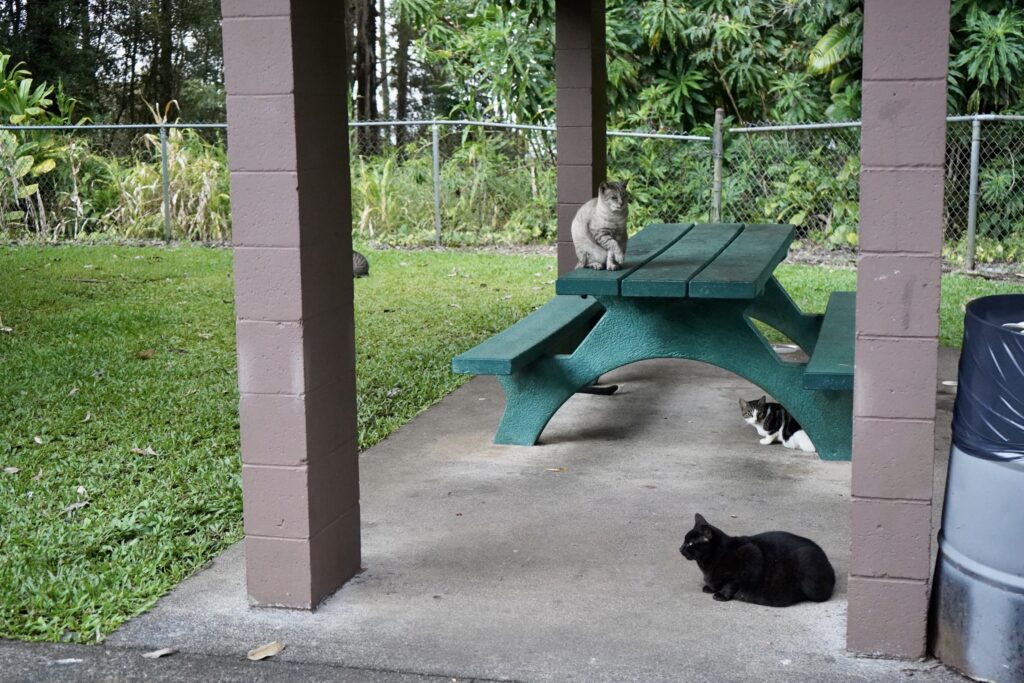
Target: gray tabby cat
x,y
599,228
360,266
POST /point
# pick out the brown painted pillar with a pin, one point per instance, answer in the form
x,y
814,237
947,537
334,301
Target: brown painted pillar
x,y
581,112
284,66
903,142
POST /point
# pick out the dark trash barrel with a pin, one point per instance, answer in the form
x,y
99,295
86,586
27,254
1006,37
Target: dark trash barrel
x,y
977,608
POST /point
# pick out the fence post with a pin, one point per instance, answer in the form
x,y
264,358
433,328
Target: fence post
x,y
972,198
437,183
716,156
166,185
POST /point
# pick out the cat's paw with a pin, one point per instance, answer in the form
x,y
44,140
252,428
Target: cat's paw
x,y
706,589
766,440
596,266
720,597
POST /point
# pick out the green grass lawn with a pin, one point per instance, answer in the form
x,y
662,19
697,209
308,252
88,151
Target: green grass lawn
x,y
119,469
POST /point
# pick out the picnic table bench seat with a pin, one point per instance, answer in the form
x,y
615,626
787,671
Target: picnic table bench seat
x,y
685,291
551,328
831,363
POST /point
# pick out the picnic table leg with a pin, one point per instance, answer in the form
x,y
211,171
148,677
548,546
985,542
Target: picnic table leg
x,y
777,309
715,332
533,396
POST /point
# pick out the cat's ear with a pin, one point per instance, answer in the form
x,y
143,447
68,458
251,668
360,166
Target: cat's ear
x,y
603,187
761,401
623,183
699,521
743,404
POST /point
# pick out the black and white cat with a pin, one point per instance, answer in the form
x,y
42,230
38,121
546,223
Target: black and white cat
x,y
774,423
776,568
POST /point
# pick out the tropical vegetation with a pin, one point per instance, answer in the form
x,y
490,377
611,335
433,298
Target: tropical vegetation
x,y
670,64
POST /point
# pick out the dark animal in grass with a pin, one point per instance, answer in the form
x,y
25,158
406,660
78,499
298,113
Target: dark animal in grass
x,y
776,568
360,266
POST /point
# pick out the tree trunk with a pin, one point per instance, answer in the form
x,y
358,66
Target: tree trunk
x,y
382,57
402,78
365,103
165,90
42,26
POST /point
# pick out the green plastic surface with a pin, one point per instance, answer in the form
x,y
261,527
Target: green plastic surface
x,y
686,292
634,329
669,273
742,270
523,342
640,249
831,364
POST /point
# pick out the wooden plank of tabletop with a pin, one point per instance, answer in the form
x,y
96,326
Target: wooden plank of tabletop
x,y
641,248
669,273
743,268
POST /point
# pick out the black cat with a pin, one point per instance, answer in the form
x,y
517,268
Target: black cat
x,y
775,568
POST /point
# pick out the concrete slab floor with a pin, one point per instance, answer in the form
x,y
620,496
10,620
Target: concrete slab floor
x,y
559,562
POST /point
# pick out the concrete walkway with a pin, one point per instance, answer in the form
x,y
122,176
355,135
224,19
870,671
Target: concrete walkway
x,y
559,562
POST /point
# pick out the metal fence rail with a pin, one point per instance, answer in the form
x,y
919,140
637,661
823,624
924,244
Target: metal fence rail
x,y
475,182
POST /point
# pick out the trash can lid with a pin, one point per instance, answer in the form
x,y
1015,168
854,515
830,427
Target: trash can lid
x,y
988,416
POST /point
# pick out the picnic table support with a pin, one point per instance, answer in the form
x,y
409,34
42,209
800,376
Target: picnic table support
x,y
716,332
776,309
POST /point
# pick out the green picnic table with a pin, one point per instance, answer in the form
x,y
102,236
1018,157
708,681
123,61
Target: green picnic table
x,y
685,291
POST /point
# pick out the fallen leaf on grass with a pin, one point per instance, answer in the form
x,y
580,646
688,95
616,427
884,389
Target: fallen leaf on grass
x,y
263,651
80,490
148,450
38,440
11,470
556,469
394,391
39,475
74,390
71,509
88,416
204,335
162,652
145,354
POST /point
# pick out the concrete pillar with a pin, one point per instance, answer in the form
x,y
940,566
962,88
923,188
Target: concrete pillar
x,y
903,142
581,112
291,212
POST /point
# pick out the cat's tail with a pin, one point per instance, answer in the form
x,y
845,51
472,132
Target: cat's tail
x,y
819,579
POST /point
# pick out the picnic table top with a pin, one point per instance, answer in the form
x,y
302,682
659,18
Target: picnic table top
x,y
680,260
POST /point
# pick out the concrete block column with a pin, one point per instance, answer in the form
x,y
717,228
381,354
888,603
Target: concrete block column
x,y
291,212
903,142
581,113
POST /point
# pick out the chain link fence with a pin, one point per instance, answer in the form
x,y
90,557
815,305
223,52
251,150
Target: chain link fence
x,y
471,183
139,181
475,183
808,175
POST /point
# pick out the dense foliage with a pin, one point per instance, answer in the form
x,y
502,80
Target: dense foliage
x,y
115,56
670,64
